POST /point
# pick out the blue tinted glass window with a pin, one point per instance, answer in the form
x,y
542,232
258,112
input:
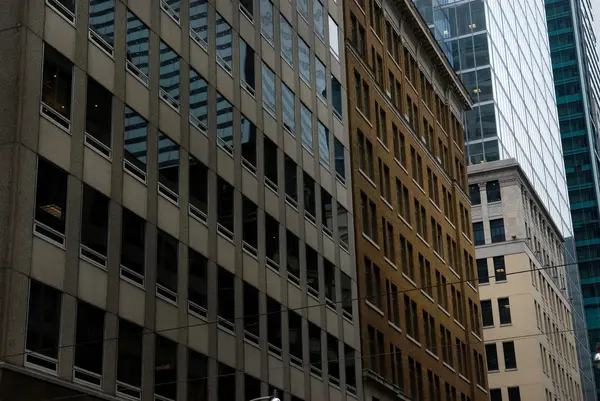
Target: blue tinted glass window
x,y
135,139
247,74
287,40
306,126
224,43
340,161
266,19
288,104
323,144
224,122
268,88
199,21
138,39
102,22
169,75
249,141
321,79
304,57
198,101
319,19
302,7
172,7
168,163
336,95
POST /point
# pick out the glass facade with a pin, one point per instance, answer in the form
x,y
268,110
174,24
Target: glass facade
x,y
501,54
576,74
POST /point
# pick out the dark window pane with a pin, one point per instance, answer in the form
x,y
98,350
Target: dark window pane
x,y
247,74
224,123
224,43
94,224
309,195
197,382
225,202
198,185
197,281
482,271
510,358
340,161
312,271
166,261
270,160
51,197
272,240
492,357
43,319
250,225
98,120
168,164
251,311
90,339
226,297
249,143
165,368
293,256
499,268
129,360
133,242
336,94
56,86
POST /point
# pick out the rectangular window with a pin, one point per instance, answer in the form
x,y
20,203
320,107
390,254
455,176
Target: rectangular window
x,y
478,233
129,360
510,357
315,352
514,394
197,283
94,226
334,45
326,212
346,287
167,256
224,45
504,311
295,331
268,89
310,208
266,20
43,326
497,230
274,326
306,126
342,226
168,168
491,353
291,181
482,271
247,68
312,271
321,80
350,367
224,123
57,88
98,118
198,101
302,7
487,313
102,24
272,244
248,144
492,189
138,47
169,76
324,155
499,268
172,8
475,194
304,59
329,274
288,102
226,299
286,35
225,208
250,226
319,19
336,95
270,163
247,8
51,202
165,368
198,189
293,257
90,339
136,144
340,160
133,247
199,22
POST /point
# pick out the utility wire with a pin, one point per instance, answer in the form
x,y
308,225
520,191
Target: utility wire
x,y
361,357
204,323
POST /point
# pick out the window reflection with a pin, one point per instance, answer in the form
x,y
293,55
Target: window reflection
x,y
168,163
169,75
321,79
138,43
336,95
287,40
266,19
304,57
224,43
102,23
199,21
268,87
198,101
319,20
135,140
247,74
334,41
289,108
323,143
249,142
306,127
224,123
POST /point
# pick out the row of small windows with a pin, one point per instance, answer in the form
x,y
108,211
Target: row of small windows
x,y
43,339
51,214
492,190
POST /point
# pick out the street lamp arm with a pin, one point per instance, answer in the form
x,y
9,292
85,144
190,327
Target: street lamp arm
x,y
268,397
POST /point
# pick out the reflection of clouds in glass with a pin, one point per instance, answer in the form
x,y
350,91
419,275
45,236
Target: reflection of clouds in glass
x,y
304,58
286,37
306,126
266,19
268,87
323,143
288,103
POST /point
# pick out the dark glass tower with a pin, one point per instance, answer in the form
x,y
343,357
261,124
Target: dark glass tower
x,y
576,78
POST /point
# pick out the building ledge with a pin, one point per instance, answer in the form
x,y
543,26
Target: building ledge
x,y
374,377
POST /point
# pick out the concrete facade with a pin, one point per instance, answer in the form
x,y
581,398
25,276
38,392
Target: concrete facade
x,y
73,274
526,309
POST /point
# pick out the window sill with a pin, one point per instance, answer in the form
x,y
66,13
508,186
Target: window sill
x,y
467,238
472,286
449,367
454,272
411,339
367,178
419,186
482,389
429,297
387,203
389,262
435,205
375,308
459,324
409,280
450,222
494,371
404,221
423,240
395,327
506,324
365,236
364,117
477,336
399,163
383,145
464,378
439,257
431,354
440,307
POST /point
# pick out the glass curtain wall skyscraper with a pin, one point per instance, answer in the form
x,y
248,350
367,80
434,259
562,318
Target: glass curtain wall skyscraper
x,y
576,78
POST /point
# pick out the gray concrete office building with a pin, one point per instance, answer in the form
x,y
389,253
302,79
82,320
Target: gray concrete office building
x,y
175,204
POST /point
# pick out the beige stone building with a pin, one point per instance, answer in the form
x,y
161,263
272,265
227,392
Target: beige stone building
x,y
526,317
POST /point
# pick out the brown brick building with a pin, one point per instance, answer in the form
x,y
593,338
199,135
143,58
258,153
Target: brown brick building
x,y
421,334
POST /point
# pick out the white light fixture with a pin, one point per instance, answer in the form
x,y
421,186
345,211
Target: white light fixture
x,y
596,359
